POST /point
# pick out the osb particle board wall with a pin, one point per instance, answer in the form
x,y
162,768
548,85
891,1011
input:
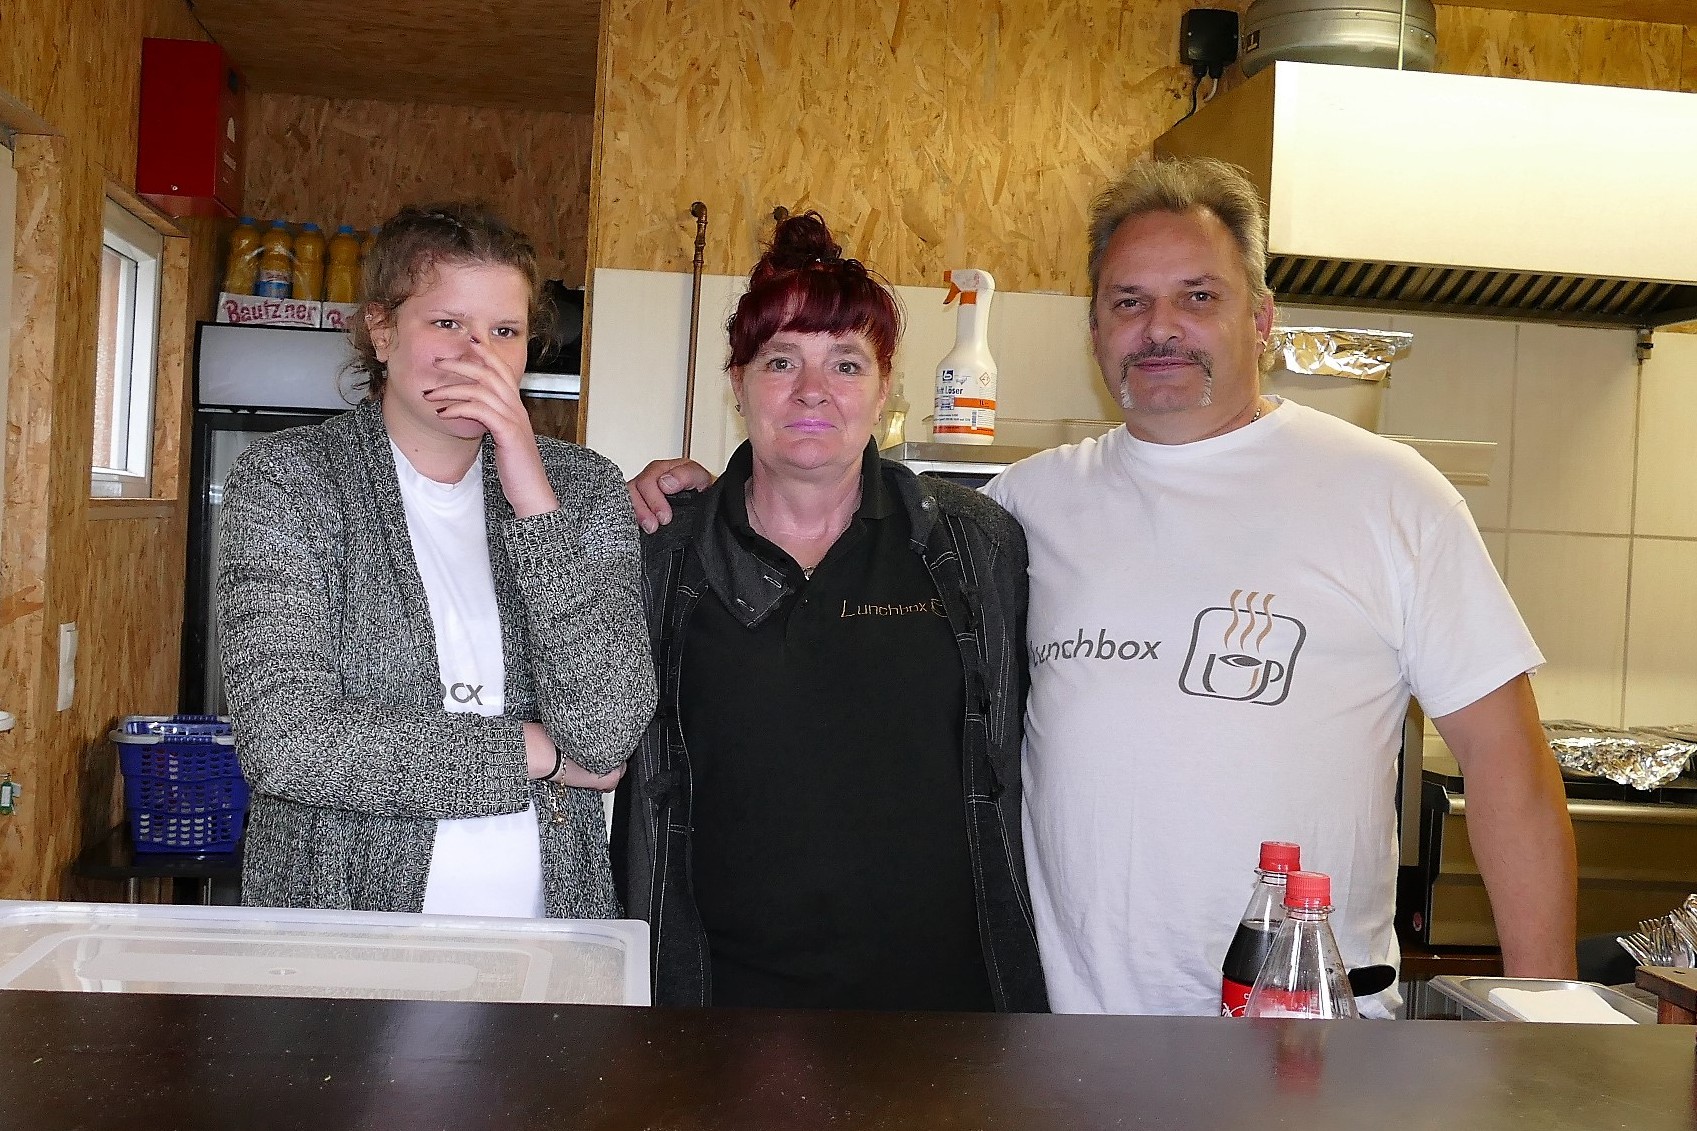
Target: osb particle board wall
x,y
68,82
1561,48
930,132
347,161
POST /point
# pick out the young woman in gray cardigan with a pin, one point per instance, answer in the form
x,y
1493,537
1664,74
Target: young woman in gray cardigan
x,y
430,618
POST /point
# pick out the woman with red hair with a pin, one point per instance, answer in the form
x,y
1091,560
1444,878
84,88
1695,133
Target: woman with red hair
x,y
825,811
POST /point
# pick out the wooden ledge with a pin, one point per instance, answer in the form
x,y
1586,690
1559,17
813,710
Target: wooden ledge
x,y
1676,992
132,509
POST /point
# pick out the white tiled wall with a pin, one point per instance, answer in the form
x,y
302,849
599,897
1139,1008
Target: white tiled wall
x,y
1575,419
1667,429
1572,589
1434,395
1591,514
1662,614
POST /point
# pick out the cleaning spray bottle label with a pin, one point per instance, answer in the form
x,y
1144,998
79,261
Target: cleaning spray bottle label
x,y
966,378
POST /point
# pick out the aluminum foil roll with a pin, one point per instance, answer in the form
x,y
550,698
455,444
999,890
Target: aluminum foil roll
x,y
1365,355
1640,759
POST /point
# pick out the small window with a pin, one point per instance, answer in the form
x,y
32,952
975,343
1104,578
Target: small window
x,y
127,358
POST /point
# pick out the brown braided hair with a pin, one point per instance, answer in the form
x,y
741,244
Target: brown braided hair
x,y
410,247
804,284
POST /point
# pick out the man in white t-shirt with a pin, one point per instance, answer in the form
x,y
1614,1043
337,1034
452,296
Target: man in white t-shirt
x,y
1232,599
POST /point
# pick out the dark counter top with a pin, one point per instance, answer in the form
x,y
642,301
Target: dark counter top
x,y
72,1060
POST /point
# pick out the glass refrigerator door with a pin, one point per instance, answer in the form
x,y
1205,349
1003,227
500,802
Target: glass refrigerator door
x,y
220,437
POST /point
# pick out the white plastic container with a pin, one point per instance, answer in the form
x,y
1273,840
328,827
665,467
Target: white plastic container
x,y
1473,996
282,952
966,377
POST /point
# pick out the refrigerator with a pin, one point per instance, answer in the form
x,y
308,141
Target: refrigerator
x,y
249,381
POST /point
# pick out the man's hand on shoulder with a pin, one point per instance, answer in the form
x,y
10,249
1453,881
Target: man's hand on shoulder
x,y
659,479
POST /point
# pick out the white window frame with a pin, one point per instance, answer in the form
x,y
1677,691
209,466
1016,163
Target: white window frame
x,y
137,241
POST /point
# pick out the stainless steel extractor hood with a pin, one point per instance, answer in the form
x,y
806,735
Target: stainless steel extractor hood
x,y
1465,195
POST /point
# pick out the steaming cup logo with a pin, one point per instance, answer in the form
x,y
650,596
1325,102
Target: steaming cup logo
x,y
1243,651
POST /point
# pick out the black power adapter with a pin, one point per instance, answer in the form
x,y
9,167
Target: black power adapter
x,y
1208,40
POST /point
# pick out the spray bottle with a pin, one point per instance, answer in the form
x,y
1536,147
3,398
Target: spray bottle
x,y
966,378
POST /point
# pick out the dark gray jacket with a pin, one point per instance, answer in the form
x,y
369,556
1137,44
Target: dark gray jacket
x,y
975,553
330,662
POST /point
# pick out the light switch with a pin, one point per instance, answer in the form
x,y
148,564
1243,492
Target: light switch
x,y
67,664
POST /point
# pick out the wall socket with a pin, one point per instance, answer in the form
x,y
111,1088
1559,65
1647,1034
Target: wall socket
x,y
67,664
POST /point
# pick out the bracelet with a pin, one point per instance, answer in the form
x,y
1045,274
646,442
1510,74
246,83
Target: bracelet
x,y
559,760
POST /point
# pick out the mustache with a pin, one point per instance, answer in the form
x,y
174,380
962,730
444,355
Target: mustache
x,y
1200,358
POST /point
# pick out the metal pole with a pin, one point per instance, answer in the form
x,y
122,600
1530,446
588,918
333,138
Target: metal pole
x,y
1401,33
699,211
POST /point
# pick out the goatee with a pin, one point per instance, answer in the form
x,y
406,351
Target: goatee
x,y
1199,358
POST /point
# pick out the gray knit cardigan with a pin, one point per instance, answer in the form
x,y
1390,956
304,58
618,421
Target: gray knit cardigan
x,y
330,664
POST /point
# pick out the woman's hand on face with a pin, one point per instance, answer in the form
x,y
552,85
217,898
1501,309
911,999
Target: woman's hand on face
x,y
488,392
664,477
539,764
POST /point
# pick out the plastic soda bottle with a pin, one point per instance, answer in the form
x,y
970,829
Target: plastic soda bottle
x,y
276,262
1259,925
343,279
966,377
1304,975
309,263
242,268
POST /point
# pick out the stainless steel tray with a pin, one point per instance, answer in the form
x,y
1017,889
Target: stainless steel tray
x,y
1473,996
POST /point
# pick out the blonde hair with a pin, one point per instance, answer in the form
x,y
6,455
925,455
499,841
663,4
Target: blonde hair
x,y
1182,184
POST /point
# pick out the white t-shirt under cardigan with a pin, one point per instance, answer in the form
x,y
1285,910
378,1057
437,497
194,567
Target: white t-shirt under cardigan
x,y
479,865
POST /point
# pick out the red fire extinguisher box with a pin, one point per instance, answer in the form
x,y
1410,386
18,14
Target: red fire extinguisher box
x,y
189,147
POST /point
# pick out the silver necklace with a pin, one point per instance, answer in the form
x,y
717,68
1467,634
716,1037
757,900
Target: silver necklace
x,y
1228,426
760,526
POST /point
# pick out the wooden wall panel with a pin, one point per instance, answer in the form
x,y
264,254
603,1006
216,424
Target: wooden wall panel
x,y
41,224
1618,53
130,582
1558,48
68,81
929,135
553,416
1640,11
356,162
78,66
523,54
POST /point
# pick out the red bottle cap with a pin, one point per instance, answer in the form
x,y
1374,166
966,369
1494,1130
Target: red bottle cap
x,y
1308,891
1280,856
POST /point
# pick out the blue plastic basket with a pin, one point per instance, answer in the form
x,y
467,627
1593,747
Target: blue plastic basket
x,y
214,832
176,724
183,787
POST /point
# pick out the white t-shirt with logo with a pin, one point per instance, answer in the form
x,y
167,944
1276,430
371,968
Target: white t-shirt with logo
x,y
1223,637
479,865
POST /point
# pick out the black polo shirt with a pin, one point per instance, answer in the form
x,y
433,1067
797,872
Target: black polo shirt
x,y
830,860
